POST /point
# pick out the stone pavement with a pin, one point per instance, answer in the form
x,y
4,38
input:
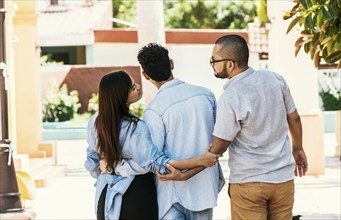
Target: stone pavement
x,y
72,196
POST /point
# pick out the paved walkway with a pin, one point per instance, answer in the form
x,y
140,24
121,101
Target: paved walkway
x,y
72,196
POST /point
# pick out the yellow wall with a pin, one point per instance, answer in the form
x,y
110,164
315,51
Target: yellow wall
x,y
26,78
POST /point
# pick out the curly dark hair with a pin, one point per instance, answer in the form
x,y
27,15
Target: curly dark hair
x,y
155,62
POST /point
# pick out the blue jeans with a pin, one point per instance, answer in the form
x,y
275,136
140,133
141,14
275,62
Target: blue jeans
x,y
178,212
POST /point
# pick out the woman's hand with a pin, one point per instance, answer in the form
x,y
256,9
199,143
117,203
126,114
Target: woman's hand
x,y
103,166
174,174
208,159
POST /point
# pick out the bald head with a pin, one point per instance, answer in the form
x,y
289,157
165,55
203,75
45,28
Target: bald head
x,y
234,47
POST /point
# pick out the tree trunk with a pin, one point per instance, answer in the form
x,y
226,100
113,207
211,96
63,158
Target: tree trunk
x,y
150,20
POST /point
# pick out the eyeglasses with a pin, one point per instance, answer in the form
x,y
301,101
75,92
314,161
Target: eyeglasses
x,y
212,61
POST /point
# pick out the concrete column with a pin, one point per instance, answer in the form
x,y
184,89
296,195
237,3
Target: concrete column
x,y
27,109
299,71
10,43
301,75
150,20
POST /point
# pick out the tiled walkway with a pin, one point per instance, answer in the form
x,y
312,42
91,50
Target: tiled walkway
x,y
72,196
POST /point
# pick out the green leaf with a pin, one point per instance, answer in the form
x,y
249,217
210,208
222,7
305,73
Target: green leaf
x,y
309,3
319,20
324,53
307,47
339,3
334,57
293,23
332,8
326,13
304,4
309,22
314,41
306,32
325,40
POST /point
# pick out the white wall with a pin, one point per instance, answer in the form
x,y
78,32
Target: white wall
x,y
191,62
299,71
114,54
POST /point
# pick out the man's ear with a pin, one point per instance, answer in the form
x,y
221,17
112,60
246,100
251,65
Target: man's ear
x,y
145,75
171,64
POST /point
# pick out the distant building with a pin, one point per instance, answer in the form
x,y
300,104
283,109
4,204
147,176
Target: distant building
x,y
66,28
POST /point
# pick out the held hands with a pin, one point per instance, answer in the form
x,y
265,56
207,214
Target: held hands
x,y
174,174
301,162
208,159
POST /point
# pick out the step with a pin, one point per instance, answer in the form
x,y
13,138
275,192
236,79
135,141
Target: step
x,y
43,170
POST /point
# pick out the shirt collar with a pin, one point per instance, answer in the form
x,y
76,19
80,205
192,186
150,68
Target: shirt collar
x,y
169,84
238,77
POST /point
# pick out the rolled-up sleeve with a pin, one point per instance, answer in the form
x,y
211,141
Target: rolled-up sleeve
x,y
142,150
91,163
227,125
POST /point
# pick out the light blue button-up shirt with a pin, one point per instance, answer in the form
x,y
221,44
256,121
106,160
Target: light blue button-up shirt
x,y
181,120
140,156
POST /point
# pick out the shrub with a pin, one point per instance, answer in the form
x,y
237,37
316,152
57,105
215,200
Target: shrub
x,y
331,100
59,105
93,103
330,91
136,108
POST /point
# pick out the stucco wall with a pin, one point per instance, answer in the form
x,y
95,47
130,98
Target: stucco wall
x,y
299,71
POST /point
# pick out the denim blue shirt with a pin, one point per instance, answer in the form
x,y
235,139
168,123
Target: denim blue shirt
x,y
181,120
140,156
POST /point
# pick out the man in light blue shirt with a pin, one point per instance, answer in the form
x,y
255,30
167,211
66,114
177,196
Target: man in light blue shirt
x,y
181,121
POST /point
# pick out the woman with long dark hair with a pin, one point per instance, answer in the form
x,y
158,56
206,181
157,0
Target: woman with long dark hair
x,y
120,142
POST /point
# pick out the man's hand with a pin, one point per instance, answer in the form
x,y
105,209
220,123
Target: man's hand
x,y
208,159
301,162
174,174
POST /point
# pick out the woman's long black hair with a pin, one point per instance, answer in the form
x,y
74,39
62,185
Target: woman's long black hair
x,y
112,109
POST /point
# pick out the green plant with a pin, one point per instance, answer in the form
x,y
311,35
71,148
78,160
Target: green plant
x,y
124,10
330,95
48,60
58,104
93,103
209,14
136,108
331,100
214,14
320,21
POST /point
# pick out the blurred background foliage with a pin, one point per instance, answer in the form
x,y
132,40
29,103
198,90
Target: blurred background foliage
x,y
196,14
